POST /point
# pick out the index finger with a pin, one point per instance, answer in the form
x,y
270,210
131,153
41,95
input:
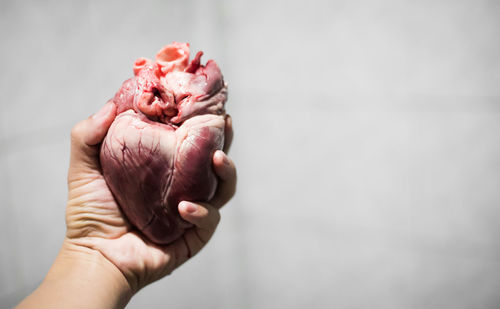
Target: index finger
x,y
226,172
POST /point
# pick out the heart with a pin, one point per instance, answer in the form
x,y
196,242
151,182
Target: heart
x,y
158,150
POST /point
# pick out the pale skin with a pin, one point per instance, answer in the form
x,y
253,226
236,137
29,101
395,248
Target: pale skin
x,y
103,262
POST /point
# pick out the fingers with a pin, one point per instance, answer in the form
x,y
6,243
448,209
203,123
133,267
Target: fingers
x,y
228,133
226,171
87,134
205,219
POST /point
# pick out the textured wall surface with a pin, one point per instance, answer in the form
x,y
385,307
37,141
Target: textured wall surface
x,y
367,144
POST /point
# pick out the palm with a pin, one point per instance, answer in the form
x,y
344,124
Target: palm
x,y
94,218
92,211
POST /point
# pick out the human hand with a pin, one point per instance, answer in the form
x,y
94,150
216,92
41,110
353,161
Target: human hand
x,y
95,221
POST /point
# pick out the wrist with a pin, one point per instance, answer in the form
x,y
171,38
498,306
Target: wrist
x,y
82,278
90,267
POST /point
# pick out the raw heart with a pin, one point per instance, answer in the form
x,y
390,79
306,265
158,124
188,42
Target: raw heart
x,y
159,149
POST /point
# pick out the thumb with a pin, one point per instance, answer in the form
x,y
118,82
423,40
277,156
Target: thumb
x,y
88,134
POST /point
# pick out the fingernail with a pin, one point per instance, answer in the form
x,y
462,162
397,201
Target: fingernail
x,y
189,207
223,156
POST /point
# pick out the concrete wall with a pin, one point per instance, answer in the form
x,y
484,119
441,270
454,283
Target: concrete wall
x,y
367,144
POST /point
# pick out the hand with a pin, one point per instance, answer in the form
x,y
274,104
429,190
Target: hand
x,y
95,221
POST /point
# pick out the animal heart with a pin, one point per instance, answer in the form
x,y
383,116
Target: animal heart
x,y
158,150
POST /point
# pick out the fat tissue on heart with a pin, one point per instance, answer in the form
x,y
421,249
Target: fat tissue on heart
x,y
158,150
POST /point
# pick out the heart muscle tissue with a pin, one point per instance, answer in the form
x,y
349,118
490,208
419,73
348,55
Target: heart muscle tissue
x,y
158,150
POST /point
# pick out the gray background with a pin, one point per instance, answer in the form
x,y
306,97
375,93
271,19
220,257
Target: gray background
x,y
367,145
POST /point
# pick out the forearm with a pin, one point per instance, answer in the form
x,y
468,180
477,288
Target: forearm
x,y
80,278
